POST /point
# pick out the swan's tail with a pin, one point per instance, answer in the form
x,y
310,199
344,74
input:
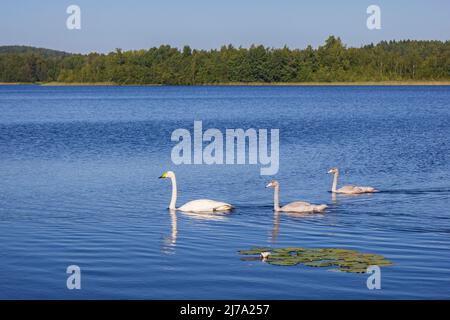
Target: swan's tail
x,y
226,207
320,208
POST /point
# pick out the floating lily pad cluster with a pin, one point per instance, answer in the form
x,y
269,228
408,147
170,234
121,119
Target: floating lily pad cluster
x,y
343,259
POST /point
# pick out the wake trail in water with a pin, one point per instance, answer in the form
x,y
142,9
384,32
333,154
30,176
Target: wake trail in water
x,y
416,191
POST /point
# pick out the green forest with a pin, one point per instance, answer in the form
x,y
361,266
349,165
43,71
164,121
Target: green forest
x,y
406,60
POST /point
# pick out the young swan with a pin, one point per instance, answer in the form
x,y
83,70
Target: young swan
x,y
298,206
199,206
347,189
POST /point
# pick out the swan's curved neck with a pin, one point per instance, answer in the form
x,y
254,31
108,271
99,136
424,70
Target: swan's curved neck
x,y
173,200
276,200
334,186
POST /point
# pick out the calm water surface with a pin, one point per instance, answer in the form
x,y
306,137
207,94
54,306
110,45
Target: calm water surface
x,y
78,185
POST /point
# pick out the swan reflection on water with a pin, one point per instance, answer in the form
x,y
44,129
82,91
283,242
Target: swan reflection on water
x,y
363,196
207,216
276,226
170,243
294,216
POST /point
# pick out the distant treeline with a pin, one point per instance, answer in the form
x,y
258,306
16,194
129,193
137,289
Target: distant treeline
x,y
333,61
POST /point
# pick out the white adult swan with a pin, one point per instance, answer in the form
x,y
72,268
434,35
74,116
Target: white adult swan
x,y
297,206
201,205
347,189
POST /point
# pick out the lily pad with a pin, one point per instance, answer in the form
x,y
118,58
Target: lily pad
x,y
253,251
344,260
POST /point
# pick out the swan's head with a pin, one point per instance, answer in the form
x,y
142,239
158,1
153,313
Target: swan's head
x,y
168,174
333,170
272,184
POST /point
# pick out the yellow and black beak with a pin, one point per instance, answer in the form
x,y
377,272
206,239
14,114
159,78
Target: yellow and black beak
x,y
163,176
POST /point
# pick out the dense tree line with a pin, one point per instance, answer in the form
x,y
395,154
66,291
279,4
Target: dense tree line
x,y
333,61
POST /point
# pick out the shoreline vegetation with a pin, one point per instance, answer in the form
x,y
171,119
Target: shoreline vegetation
x,y
239,84
406,62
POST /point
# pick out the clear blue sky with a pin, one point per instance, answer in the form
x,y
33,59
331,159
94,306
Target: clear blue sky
x,y
137,24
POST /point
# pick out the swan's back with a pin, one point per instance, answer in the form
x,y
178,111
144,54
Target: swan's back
x,y
301,206
205,205
356,190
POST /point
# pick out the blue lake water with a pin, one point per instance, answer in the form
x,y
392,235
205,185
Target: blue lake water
x,y
78,185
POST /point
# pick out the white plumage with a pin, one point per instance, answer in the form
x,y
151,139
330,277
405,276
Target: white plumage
x,y
198,206
205,205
